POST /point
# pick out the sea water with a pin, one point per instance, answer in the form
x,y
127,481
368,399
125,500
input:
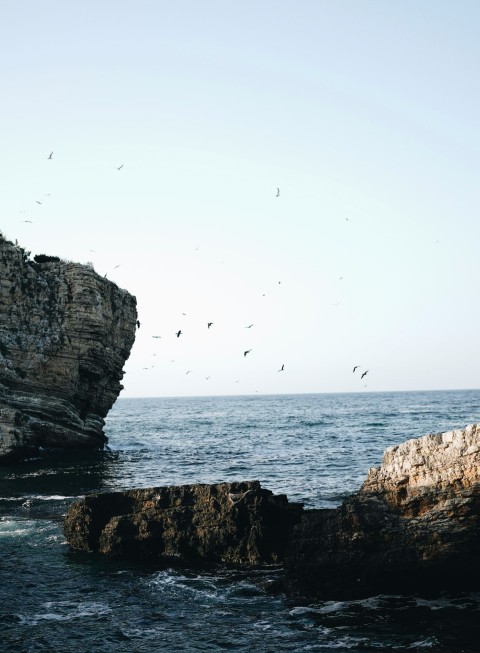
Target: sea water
x,y
315,448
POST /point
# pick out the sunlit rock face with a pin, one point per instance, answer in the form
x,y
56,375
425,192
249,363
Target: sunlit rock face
x,y
65,333
414,526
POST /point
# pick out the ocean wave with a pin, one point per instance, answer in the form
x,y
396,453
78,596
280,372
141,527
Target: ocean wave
x,y
64,611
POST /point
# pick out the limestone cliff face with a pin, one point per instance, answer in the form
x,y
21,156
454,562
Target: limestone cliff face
x,y
65,333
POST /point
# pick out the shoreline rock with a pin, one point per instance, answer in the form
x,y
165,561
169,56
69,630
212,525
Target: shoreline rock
x,y
413,526
65,333
236,523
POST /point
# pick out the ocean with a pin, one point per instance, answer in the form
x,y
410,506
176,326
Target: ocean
x,y
315,448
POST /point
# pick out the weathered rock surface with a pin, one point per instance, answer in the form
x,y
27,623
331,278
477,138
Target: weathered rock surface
x,y
65,333
238,523
413,526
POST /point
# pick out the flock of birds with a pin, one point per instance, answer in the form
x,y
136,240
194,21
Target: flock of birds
x,y
209,324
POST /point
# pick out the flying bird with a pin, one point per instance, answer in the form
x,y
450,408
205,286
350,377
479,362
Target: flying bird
x,y
179,333
206,378
156,336
356,367
50,156
247,352
278,192
28,221
188,372
249,326
117,266
120,167
209,324
282,368
364,374
37,202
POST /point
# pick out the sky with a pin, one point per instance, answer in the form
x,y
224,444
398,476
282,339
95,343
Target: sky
x,y
363,113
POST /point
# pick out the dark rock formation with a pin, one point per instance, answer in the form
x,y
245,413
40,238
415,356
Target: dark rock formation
x,y
413,527
65,333
238,523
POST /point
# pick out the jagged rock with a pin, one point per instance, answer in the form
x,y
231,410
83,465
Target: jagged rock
x,y
414,526
238,523
65,333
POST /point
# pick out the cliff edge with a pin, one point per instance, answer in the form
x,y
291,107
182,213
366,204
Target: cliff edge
x,y
65,333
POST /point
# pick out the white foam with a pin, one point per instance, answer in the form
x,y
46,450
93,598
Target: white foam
x,y
65,611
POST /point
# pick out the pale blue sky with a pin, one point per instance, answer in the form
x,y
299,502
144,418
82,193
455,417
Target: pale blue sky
x,y
364,110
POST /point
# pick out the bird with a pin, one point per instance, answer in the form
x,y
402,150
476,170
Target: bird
x,y
282,368
50,156
247,352
364,374
206,378
347,219
209,324
37,202
120,167
117,266
179,333
249,326
278,192
138,324
237,496
28,221
356,367
156,336
188,372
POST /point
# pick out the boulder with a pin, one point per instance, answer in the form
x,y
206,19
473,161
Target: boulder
x,y
413,527
239,523
65,333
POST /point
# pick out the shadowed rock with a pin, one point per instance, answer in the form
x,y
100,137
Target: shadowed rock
x,y
238,523
65,333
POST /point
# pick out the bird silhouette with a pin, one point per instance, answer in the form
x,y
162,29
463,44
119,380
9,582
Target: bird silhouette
x,y
50,156
117,266
282,368
356,367
249,326
364,374
206,378
278,192
28,221
209,324
179,333
188,372
247,352
156,336
37,202
120,167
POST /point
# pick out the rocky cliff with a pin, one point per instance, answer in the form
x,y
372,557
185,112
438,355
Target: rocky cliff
x,y
414,526
65,333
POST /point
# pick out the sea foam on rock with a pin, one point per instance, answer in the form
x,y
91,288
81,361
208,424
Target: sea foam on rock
x,y
65,333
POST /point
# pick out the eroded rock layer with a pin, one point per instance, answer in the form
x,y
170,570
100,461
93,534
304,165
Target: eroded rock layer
x,y
238,523
65,333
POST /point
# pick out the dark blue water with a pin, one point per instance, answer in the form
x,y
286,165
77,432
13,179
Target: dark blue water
x,y
314,448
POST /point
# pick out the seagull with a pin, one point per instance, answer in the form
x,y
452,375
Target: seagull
x,y
120,167
28,221
209,324
50,156
179,333
117,266
247,352
188,372
37,202
278,192
238,496
364,374
156,336
347,219
356,367
249,326
282,368
206,378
